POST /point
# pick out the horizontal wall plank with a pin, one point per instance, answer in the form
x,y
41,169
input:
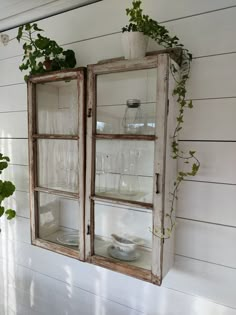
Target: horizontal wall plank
x,y
20,203
13,125
207,202
16,7
206,30
17,229
19,175
13,98
16,149
208,242
217,161
168,11
12,74
212,77
214,282
210,120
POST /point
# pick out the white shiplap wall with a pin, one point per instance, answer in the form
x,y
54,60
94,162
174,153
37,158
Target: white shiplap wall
x,y
203,280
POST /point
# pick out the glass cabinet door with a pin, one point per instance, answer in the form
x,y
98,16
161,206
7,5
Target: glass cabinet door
x,y
56,135
122,179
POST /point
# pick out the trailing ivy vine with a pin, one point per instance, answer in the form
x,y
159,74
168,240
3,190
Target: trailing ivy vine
x,y
151,28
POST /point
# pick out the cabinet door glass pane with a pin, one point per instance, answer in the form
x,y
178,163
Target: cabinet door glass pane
x,y
58,220
126,102
58,165
124,169
57,108
123,234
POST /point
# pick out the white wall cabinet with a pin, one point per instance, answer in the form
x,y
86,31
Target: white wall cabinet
x,y
100,202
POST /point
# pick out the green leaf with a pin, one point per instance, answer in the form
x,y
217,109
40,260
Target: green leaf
x,y
6,158
3,165
7,189
42,42
36,28
70,60
20,32
10,214
2,209
27,27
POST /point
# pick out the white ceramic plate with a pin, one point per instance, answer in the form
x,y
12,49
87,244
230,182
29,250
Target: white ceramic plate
x,y
71,239
121,255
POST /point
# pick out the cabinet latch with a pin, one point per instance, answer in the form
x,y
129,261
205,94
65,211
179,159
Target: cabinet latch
x,y
157,183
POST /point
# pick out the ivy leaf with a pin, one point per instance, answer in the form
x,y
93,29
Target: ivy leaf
x,y
192,152
190,104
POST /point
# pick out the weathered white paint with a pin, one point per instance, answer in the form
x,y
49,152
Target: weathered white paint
x,y
28,273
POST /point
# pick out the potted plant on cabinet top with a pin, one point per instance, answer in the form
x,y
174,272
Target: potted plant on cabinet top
x,y
6,189
134,39
141,27
41,54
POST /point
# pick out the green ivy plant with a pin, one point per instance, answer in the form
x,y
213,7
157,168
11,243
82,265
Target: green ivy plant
x,y
6,189
41,54
139,22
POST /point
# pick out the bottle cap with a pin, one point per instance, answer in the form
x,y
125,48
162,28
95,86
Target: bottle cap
x,y
133,103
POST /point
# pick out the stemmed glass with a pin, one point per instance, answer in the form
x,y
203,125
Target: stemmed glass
x,y
100,170
129,181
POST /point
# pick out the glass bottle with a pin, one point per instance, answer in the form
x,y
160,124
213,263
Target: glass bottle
x,y
133,121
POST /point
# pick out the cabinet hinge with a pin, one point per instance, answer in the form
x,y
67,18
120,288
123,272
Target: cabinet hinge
x,y
168,105
90,112
88,229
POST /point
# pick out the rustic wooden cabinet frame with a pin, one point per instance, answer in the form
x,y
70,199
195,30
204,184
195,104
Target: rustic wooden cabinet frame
x,y
164,169
162,252
79,75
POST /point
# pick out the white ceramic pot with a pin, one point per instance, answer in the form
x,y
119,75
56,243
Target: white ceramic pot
x,y
134,45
